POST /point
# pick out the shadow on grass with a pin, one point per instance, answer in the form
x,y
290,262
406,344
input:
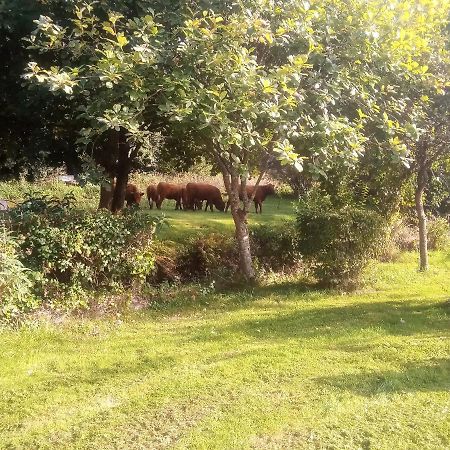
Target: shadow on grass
x,y
430,376
96,375
397,318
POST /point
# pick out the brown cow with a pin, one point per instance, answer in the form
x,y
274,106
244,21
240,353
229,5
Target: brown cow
x,y
152,195
196,193
262,191
171,192
133,195
196,205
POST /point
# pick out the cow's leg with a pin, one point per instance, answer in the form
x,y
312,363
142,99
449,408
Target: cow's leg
x,y
256,207
206,207
159,202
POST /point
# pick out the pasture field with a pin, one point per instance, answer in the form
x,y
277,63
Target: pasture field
x,y
276,367
179,225
182,224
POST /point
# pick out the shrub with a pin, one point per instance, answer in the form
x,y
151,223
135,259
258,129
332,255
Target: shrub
x,y
212,256
15,282
337,242
404,236
438,234
285,191
76,251
274,246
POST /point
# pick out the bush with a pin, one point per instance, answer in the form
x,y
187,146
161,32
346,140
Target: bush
x,y
213,256
274,246
404,236
76,251
438,234
15,282
338,243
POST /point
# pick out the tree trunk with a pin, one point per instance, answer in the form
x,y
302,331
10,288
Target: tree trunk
x,y
106,193
241,225
122,172
423,239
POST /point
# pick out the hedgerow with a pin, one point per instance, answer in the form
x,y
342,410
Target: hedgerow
x,y
77,252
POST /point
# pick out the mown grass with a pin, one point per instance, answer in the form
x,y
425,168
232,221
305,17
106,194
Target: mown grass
x,y
279,366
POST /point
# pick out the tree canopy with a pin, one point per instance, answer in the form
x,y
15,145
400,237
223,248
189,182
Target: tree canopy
x,y
325,85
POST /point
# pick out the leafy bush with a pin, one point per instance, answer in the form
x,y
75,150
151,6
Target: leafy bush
x,y
438,234
76,251
15,282
338,242
211,256
274,246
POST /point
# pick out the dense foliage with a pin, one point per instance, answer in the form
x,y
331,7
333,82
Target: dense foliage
x,y
16,281
338,241
77,251
354,93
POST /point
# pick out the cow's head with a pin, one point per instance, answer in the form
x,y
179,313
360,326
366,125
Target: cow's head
x,y
137,197
220,205
270,189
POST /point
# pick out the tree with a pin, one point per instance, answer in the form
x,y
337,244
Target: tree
x,y
34,133
432,146
220,89
419,80
298,82
108,67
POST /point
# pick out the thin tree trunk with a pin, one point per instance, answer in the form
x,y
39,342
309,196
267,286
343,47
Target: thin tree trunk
x,y
423,239
123,170
241,225
106,193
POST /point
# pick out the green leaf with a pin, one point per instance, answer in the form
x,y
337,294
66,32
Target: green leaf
x,y
122,40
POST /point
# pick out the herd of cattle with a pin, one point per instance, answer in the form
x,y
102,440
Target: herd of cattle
x,y
192,195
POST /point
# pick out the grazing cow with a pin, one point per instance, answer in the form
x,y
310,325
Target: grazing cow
x,y
262,191
152,195
198,204
171,192
196,193
133,195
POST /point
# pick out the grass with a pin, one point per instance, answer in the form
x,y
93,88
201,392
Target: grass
x,y
276,367
182,224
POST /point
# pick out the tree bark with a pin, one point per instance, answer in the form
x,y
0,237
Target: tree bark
x,y
106,193
233,186
122,172
423,238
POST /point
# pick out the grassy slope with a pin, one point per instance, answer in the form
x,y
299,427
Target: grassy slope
x,y
278,367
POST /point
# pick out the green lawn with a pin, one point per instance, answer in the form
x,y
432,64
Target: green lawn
x,y
182,224
272,368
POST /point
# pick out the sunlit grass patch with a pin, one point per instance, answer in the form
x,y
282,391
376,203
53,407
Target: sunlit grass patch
x,y
278,366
